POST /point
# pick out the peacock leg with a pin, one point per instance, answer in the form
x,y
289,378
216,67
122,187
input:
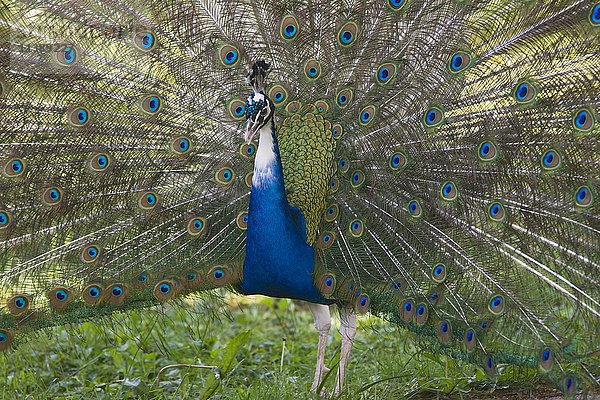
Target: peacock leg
x,y
347,331
322,324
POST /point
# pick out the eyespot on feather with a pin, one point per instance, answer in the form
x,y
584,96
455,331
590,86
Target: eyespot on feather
x,y
525,92
357,179
79,117
151,104
397,5
219,276
386,73
93,294
407,310
326,240
248,150
326,284
449,191
488,365
181,145
292,107
278,94
91,253
496,212
439,272
583,120
321,106
487,151
242,220
18,304
196,226
229,55
470,339
348,34
433,117
225,176
584,196
337,131
164,290
569,386
344,98
367,115
116,294
140,280
59,298
332,213
147,200
52,196
444,331
100,162
6,219
65,54
546,359
415,208
312,69
14,167
237,109
421,314
436,295
361,304
334,185
356,228
5,340
144,40
193,279
551,160
459,61
398,161
289,28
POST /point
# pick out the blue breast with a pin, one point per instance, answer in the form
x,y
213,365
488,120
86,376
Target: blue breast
x,y
279,262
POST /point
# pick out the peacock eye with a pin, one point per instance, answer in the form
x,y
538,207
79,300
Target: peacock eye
x,y
79,116
337,131
247,150
196,226
459,61
312,69
99,162
584,196
449,191
347,34
229,55
385,73
52,196
415,209
470,339
551,160
151,104
66,55
242,220
595,15
144,40
343,165
398,161
366,115
487,151
289,27
583,121
181,145
344,98
525,93
147,200
496,212
326,240
546,359
421,314
356,228
396,5
14,167
117,291
322,106
496,305
332,213
358,178
90,253
94,291
433,117
334,184
438,273
224,176
5,219
143,277
279,94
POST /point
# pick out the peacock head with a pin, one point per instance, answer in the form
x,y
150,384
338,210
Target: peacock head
x,y
259,108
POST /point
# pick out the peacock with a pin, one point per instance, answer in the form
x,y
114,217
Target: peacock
x,y
433,162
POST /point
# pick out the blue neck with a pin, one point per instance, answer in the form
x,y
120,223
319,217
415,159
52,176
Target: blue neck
x,y
279,262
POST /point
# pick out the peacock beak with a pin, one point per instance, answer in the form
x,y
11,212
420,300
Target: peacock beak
x,y
251,129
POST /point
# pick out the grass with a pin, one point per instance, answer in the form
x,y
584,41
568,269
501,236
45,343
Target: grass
x,y
119,357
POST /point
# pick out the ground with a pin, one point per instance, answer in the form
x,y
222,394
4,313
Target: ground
x,y
120,357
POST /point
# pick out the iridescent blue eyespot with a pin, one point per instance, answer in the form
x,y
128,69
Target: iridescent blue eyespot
x,y
54,194
61,295
421,310
164,288
489,362
326,238
444,327
92,251
584,196
102,161
449,191
384,74
117,291
239,111
231,57
82,116
3,337
4,218
437,271
583,121
595,15
356,225
347,34
228,55
218,273
184,144
94,291
363,301
17,166
408,306
414,208
365,116
143,277
396,4
525,92
147,40
342,99
150,199
457,62
154,103
312,72
470,335
546,355
347,37
20,302
329,281
290,31
69,55
289,27
191,276
496,305
433,117
278,96
358,178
